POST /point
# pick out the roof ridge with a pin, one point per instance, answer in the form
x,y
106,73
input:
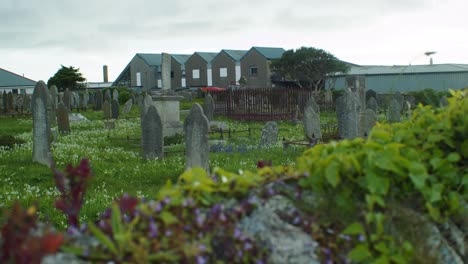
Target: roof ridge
x,y
17,75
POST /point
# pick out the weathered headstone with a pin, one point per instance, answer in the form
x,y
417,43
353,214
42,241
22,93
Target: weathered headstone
x,y
407,109
371,93
60,97
394,111
63,122
26,103
51,109
67,99
4,101
196,127
107,95
208,107
41,128
76,100
372,104
347,109
269,134
54,93
127,106
92,100
85,99
166,71
147,102
399,98
328,96
115,108
115,95
312,120
99,101
152,134
106,108
361,95
367,120
443,101
10,101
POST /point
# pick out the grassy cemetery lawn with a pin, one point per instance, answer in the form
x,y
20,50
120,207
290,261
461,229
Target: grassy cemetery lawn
x,y
117,165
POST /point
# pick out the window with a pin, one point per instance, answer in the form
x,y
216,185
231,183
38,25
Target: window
x,y
222,72
253,71
196,74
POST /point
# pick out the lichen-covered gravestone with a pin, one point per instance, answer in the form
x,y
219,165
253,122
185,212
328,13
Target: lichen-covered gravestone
x,y
51,109
312,120
347,108
196,127
67,99
152,134
367,120
106,108
115,108
115,95
372,104
54,93
394,111
41,127
107,96
208,107
98,101
63,122
127,106
269,134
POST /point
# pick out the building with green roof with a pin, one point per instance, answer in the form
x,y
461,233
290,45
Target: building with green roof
x,y
227,68
405,78
255,66
198,69
15,83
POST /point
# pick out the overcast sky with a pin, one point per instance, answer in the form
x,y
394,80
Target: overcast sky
x,y
36,37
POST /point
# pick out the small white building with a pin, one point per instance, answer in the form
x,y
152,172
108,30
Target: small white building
x,y
17,84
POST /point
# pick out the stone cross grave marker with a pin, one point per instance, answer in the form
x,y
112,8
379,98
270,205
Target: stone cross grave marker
x,y
127,106
367,120
41,127
196,127
312,120
394,111
63,122
269,134
152,134
208,107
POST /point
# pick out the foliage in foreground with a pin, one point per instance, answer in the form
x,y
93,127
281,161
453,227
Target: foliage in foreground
x,y
421,164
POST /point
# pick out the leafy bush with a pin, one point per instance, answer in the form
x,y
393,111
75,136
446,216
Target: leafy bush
x,y
428,97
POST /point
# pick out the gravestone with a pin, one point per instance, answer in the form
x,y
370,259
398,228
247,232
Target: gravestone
x,y
26,103
92,100
347,109
196,127
328,96
311,120
106,108
443,101
60,98
4,101
269,134
115,95
10,101
76,100
54,93
67,99
99,101
85,99
367,120
147,102
372,104
166,72
63,122
371,93
127,106
208,107
399,98
107,95
394,111
51,109
41,129
361,95
115,109
407,109
140,100
152,134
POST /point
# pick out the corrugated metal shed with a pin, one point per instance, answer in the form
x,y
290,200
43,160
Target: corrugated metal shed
x,y
10,79
405,78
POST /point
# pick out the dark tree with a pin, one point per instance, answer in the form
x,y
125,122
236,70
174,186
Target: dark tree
x,y
308,67
66,77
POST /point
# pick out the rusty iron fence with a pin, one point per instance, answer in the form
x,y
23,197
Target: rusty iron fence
x,y
266,104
